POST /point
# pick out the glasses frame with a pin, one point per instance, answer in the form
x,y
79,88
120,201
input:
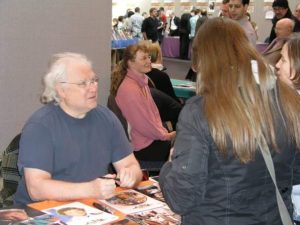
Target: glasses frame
x,y
85,83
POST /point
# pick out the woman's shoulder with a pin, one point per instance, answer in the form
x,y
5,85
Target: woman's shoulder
x,y
194,106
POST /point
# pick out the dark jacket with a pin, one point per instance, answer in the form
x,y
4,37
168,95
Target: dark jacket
x,y
209,189
177,23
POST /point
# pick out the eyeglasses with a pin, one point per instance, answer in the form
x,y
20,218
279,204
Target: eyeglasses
x,y
85,83
145,58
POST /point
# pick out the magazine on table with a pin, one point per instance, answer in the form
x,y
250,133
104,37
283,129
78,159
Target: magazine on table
x,y
77,213
131,201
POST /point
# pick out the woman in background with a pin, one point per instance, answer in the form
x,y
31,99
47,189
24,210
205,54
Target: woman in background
x,y
288,70
217,174
150,140
158,78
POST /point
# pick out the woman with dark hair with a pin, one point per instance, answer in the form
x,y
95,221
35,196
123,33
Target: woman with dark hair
x,y
217,173
150,140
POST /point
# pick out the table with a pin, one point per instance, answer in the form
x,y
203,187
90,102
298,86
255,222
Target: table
x,y
150,188
170,47
184,88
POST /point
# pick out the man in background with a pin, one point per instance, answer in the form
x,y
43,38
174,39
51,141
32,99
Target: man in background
x,y
174,24
150,26
238,12
283,29
135,24
225,9
68,145
184,31
193,22
282,10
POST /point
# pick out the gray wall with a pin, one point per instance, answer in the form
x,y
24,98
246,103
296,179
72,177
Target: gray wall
x,y
30,32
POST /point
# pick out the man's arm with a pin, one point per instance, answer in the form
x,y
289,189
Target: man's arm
x,y
129,171
41,186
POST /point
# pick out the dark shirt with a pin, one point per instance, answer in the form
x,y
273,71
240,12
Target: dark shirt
x,y
150,26
162,82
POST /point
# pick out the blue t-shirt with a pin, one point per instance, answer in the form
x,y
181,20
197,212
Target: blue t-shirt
x,y
70,149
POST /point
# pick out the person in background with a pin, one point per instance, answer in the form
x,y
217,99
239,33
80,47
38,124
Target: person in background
x,y
162,18
184,31
135,24
238,12
193,22
201,20
115,23
254,25
150,26
145,15
297,12
120,25
288,70
225,9
69,144
282,10
284,29
127,22
158,78
174,25
217,174
150,140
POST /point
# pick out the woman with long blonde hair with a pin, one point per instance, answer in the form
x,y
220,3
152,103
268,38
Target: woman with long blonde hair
x,y
217,174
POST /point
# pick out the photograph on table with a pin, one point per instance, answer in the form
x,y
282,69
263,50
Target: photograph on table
x,y
131,201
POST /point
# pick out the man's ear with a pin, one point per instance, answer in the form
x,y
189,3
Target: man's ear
x,y
60,91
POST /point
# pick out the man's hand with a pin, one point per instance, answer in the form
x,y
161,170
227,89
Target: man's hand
x,y
129,171
105,188
127,177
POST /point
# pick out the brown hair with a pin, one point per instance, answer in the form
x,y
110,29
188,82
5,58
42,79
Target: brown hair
x,y
293,48
120,69
232,97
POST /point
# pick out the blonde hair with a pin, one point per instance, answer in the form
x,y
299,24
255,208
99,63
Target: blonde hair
x,y
236,106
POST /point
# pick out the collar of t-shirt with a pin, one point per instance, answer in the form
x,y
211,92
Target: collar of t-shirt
x,y
142,80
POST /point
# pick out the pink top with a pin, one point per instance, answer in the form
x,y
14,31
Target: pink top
x,y
138,107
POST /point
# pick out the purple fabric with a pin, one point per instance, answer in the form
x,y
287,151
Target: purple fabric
x,y
170,47
261,47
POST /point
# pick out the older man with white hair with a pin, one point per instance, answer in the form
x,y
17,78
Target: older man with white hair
x,y
283,29
68,145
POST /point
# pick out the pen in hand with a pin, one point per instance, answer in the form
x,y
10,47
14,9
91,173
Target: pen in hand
x,y
102,208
